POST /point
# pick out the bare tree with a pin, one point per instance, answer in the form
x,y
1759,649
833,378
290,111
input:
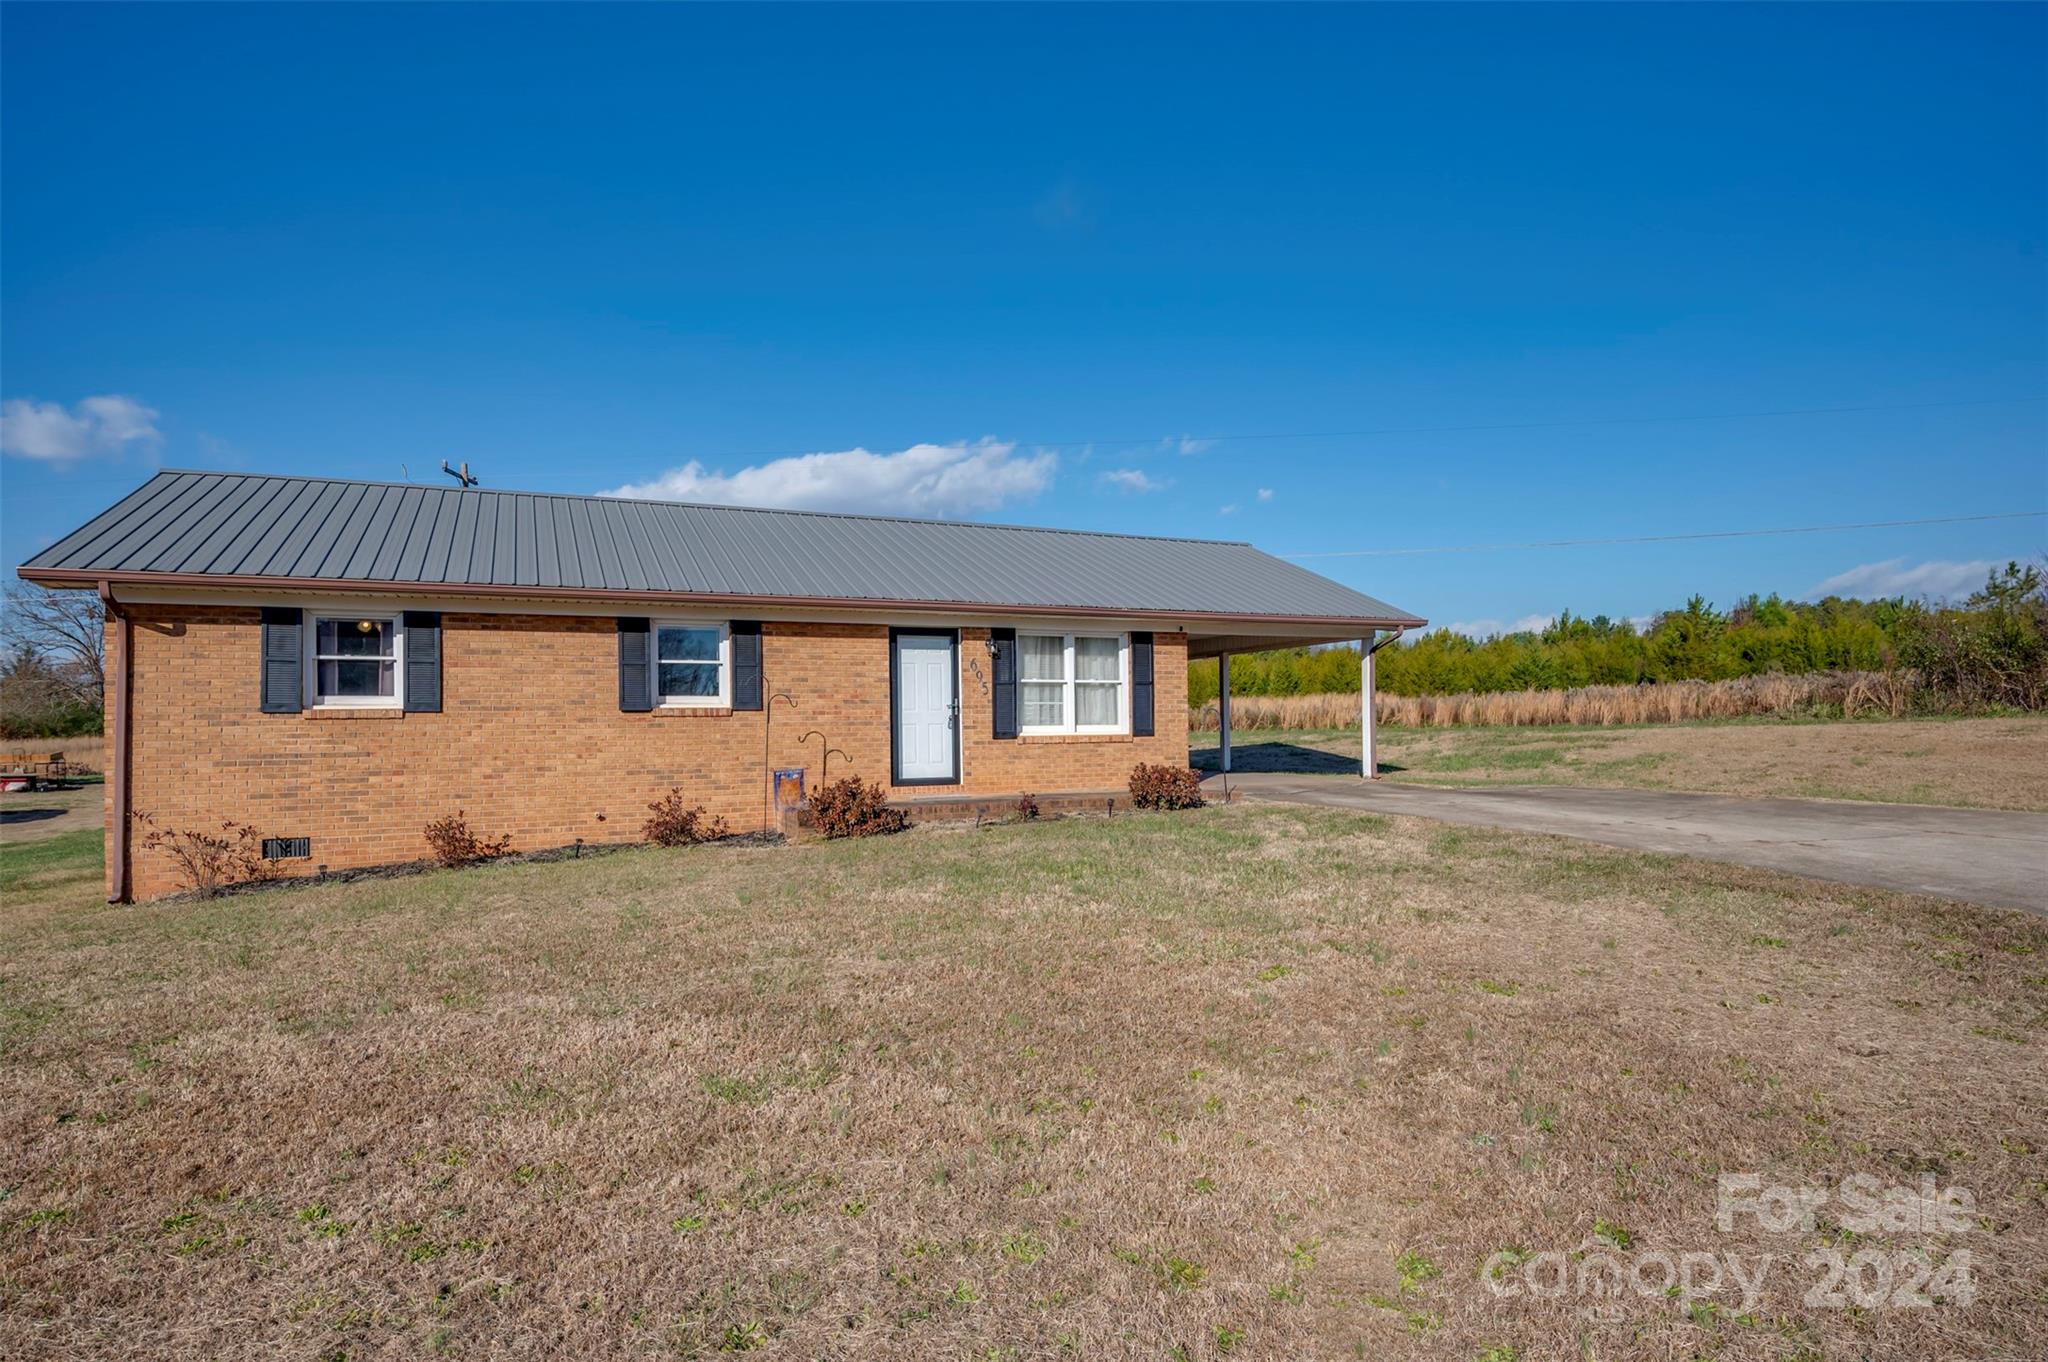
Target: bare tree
x,y
68,627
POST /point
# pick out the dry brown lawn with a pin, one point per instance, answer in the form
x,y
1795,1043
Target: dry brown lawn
x,y
1974,763
1258,1081
87,752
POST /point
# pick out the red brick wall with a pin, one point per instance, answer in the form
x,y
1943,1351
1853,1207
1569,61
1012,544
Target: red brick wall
x,y
531,742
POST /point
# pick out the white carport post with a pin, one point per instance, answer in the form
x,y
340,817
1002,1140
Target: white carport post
x,y
1223,705
1367,721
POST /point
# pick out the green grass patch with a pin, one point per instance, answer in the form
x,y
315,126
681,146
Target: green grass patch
x,y
69,859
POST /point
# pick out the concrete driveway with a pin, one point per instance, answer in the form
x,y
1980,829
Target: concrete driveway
x,y
1980,855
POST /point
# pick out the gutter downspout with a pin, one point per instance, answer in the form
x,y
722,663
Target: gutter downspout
x,y
117,814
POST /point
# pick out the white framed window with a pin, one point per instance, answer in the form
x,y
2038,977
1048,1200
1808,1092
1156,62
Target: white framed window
x,y
692,663
1073,683
356,661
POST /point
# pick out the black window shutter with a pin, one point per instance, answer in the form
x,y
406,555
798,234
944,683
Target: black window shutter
x,y
1004,687
1141,684
746,664
636,680
283,686
423,661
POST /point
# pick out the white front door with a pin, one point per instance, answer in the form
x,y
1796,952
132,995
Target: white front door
x,y
925,712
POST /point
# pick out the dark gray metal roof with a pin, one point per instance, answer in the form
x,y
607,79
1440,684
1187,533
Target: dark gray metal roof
x,y
239,526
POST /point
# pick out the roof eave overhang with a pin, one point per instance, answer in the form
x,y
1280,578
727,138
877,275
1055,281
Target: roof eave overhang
x,y
84,578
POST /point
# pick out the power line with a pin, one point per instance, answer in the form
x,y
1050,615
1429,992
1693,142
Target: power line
x,y
1445,430
1668,538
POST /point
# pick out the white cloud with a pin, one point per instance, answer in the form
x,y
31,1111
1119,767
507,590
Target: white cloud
x,y
1487,628
1185,444
1231,509
1470,628
96,425
1132,480
1265,494
1893,577
925,479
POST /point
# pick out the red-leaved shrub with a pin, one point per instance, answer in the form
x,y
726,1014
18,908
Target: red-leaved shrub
x,y
455,843
672,823
209,862
854,808
1165,787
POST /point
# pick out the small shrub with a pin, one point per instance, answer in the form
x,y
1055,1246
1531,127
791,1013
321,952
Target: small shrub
x,y
209,862
854,808
672,823
455,843
1025,809
1165,787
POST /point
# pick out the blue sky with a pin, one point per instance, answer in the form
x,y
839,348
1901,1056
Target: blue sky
x,y
1039,250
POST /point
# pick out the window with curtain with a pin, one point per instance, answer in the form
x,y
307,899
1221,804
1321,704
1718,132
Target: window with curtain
x,y
1071,683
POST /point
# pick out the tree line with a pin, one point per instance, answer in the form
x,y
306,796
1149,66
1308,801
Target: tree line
x,y
1990,651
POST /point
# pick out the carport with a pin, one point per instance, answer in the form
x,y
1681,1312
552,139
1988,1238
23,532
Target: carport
x,y
1369,641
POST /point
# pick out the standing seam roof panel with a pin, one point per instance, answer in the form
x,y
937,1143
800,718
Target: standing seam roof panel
x,y
314,530
172,521
324,513
184,521
483,541
136,534
505,545
777,563
602,550
356,551
831,552
665,569
828,552
261,554
245,529
462,537
350,510
431,565
105,527
567,571
526,551
403,516
728,563
205,526
75,543
665,552
547,565
636,553
699,558
599,566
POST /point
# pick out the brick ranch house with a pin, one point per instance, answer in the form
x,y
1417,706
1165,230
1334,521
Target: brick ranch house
x,y
342,662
